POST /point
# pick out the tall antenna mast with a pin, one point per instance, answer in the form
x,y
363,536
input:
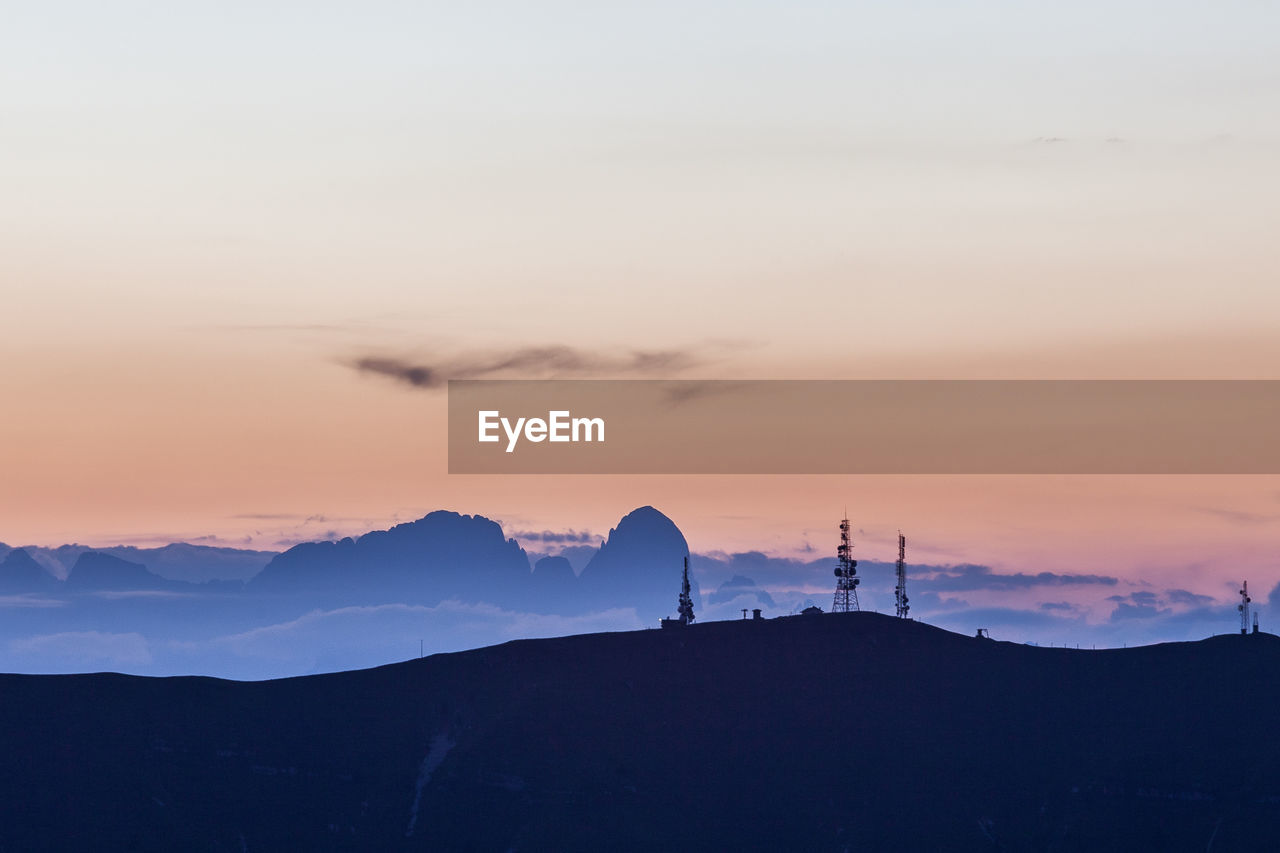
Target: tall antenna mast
x,y
685,610
1243,607
900,591
846,600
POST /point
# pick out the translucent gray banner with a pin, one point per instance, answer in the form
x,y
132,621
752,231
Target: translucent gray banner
x,y
863,427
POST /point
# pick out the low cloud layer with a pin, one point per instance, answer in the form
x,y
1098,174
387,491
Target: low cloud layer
x,y
72,651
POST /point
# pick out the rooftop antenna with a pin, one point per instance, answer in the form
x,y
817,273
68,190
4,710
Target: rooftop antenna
x,y
846,600
1243,607
900,591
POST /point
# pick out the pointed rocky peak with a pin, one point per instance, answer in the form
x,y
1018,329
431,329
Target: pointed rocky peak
x,y
20,569
95,570
645,551
645,527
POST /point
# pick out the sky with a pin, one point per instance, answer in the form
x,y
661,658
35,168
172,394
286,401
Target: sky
x,y
210,213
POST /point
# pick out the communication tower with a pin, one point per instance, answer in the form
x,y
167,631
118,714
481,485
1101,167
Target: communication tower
x,y
685,608
846,600
1243,607
686,599
900,591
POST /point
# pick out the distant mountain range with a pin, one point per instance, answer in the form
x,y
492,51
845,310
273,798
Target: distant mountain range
x,y
834,732
179,561
20,572
442,556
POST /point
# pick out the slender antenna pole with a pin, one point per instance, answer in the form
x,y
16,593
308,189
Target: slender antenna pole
x,y
900,592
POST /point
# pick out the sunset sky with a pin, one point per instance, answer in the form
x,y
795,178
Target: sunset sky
x,y
210,212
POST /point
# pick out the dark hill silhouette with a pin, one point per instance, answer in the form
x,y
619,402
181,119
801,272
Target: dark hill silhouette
x,y
835,732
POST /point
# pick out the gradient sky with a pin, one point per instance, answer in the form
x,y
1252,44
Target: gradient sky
x,y
209,210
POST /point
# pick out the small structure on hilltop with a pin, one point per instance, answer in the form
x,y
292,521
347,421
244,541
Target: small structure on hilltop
x,y
685,607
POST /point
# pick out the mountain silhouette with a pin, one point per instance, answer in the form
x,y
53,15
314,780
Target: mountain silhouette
x,y
182,561
19,572
445,555
178,561
826,733
554,587
442,555
639,565
97,571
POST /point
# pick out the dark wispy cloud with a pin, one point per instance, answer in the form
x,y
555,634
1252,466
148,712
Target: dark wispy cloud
x,y
1188,598
971,577
771,571
1145,604
545,362
1137,605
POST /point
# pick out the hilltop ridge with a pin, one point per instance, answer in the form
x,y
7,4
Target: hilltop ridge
x,y
831,732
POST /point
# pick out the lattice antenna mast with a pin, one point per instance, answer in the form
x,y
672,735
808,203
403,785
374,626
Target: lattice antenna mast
x,y
900,591
1243,607
686,598
846,600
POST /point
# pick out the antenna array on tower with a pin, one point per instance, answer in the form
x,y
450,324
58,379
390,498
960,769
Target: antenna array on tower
x,y
846,600
900,591
1243,607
